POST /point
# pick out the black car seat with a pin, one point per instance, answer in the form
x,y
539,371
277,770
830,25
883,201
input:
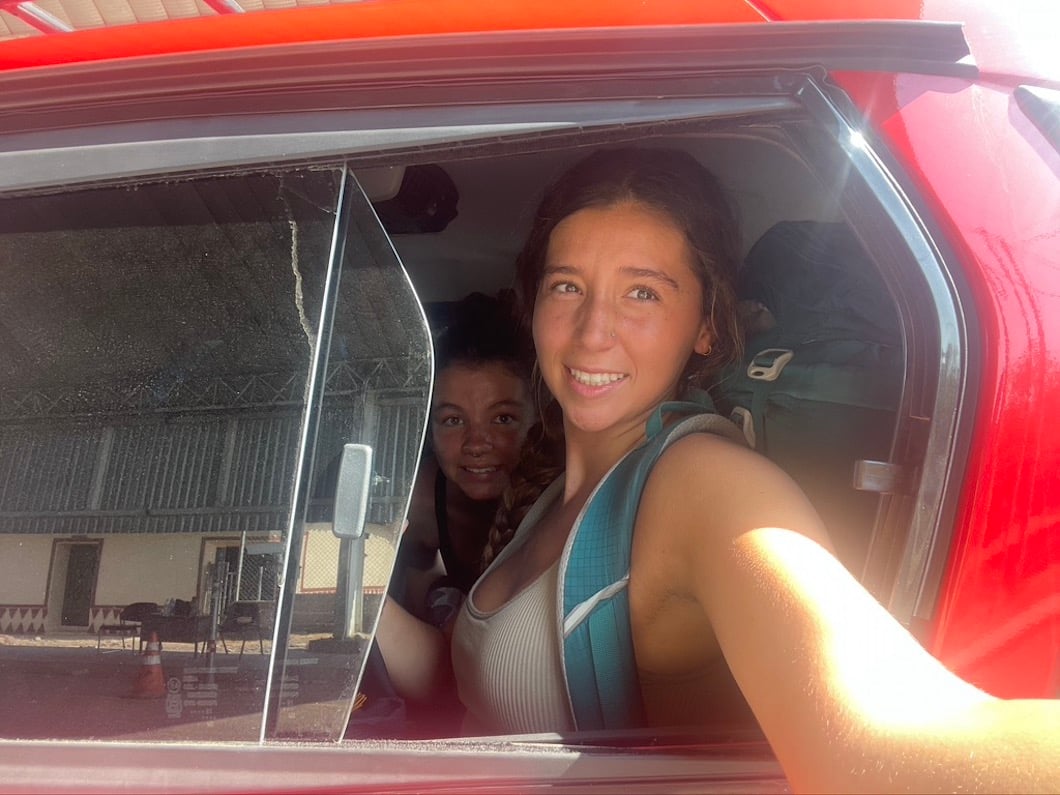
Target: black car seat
x,y
821,379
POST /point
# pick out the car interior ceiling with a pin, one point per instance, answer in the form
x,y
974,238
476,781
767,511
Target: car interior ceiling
x,y
765,181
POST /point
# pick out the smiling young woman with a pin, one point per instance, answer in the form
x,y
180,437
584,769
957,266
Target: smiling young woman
x,y
479,416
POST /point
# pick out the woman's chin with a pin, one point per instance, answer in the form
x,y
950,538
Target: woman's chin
x,y
590,419
481,489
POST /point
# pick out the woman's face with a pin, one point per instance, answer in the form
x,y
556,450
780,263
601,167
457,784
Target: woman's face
x,y
618,313
479,419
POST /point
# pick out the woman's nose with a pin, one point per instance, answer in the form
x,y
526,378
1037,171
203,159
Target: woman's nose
x,y
596,324
477,440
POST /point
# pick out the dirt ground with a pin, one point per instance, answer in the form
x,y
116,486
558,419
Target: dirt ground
x,y
58,686
65,640
84,640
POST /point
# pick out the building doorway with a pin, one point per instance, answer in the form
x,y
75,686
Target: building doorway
x,y
233,570
75,565
217,572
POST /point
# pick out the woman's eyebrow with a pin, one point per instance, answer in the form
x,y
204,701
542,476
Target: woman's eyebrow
x,y
506,404
653,275
551,270
445,407
631,272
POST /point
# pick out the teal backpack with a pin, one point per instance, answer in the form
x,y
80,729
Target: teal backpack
x,y
597,649
819,389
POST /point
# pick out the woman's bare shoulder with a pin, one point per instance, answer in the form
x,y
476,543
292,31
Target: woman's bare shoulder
x,y
712,483
704,493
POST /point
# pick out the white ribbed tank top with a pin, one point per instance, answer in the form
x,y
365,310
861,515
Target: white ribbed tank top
x,y
507,662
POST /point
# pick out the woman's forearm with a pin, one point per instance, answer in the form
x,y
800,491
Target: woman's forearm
x,y
416,653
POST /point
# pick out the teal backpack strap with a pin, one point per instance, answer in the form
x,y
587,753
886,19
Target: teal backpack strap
x,y
597,647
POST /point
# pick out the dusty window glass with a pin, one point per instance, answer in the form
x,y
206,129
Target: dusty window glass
x,y
156,349
375,388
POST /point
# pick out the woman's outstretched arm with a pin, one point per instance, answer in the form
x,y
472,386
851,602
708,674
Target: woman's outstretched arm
x,y
873,710
849,700
416,653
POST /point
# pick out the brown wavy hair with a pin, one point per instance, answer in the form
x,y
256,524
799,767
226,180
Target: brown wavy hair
x,y
671,182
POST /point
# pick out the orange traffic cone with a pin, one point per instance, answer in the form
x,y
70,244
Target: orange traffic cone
x,y
150,682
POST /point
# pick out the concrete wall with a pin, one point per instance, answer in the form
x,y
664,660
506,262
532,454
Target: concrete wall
x,y
24,563
320,559
132,568
155,568
148,568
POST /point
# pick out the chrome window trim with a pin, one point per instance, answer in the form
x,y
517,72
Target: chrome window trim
x,y
915,588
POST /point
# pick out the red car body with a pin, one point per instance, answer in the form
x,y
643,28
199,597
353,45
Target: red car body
x,y
985,175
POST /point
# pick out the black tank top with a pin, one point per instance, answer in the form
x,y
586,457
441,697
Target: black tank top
x,y
458,574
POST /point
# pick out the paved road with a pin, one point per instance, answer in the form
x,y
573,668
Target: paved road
x,y
77,693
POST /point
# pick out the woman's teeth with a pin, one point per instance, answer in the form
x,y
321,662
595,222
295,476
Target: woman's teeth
x,y
595,379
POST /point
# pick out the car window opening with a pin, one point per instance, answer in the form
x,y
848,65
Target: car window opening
x,y
160,474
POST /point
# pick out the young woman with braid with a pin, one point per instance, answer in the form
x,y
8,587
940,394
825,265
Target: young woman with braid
x,y
480,413
626,285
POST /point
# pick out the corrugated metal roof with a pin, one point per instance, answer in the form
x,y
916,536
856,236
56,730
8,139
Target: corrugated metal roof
x,y
26,18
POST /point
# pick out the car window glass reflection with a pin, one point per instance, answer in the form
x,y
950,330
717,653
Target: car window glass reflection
x,y
154,353
375,394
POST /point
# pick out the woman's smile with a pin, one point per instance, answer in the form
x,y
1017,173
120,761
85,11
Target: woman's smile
x,y
595,379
